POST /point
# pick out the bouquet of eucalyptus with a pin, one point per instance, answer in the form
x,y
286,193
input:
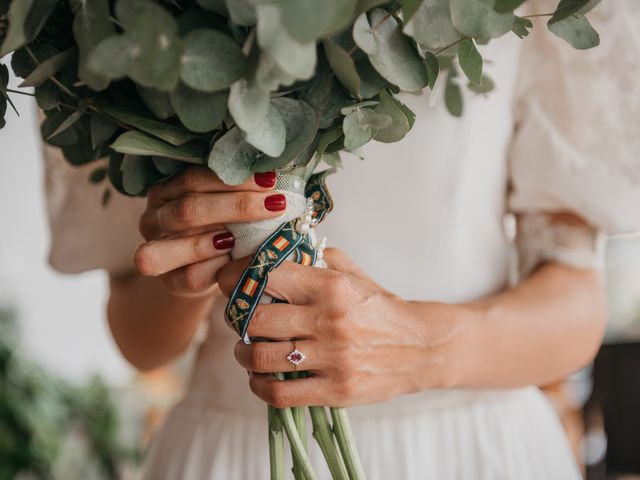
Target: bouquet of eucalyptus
x,y
248,86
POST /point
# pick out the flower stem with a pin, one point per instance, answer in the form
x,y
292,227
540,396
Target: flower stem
x,y
297,448
324,436
276,445
301,426
342,431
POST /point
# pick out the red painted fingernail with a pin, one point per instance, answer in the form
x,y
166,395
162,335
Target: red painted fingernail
x,y
223,241
275,203
266,179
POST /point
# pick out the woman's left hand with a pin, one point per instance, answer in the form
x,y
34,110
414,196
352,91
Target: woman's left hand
x,y
362,344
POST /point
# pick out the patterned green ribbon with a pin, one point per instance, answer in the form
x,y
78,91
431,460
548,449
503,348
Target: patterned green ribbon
x,y
275,250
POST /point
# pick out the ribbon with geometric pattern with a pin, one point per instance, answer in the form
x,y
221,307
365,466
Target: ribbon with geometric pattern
x,y
284,242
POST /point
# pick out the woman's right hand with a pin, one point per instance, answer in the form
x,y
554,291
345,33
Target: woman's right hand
x,y
183,225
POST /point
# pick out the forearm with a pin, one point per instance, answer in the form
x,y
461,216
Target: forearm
x,y
538,332
150,325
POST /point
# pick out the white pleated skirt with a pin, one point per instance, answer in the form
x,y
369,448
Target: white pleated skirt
x,y
512,435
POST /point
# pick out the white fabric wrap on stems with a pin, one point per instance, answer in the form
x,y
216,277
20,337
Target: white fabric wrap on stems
x,y
250,236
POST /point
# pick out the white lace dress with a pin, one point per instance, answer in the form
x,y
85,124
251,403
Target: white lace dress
x,y
425,219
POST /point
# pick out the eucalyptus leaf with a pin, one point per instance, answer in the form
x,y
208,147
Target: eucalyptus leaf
x,y
248,104
48,68
577,31
165,131
168,166
211,61
478,19
297,59
232,158
242,12
138,143
431,25
101,129
432,65
271,136
156,101
453,98
47,96
308,20
486,86
567,8
91,25
343,66
521,27
301,124
138,174
504,6
470,61
402,119
199,111
26,19
63,137
395,57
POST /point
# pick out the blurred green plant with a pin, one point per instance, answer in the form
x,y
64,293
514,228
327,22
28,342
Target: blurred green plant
x,y
40,414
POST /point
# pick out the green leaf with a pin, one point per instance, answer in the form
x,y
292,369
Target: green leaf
x,y
211,61
4,80
48,68
248,104
301,124
138,143
270,76
409,8
232,158
521,27
505,6
433,68
101,129
395,57
343,66
326,96
470,61
168,166
156,101
47,96
356,106
23,63
308,20
478,19
453,98
26,19
138,174
431,25
91,25
577,31
242,12
163,130
566,8
402,119
148,51
199,111
270,136
362,125
296,59
63,137
486,86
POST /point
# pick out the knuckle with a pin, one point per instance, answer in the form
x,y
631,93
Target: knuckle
x,y
346,388
143,259
260,358
243,205
187,180
193,280
336,283
186,209
147,225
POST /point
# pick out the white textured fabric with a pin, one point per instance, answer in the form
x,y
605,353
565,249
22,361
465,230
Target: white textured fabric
x,y
539,240
424,218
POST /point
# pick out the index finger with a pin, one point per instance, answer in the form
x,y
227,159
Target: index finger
x,y
200,179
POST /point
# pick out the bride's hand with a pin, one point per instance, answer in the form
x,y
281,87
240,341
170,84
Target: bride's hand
x,y
183,226
362,344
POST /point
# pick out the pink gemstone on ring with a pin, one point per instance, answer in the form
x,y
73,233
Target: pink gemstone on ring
x,y
296,357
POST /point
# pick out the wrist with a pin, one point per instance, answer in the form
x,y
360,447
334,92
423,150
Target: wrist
x,y
448,333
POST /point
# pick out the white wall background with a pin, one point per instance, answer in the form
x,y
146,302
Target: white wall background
x,y
61,317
